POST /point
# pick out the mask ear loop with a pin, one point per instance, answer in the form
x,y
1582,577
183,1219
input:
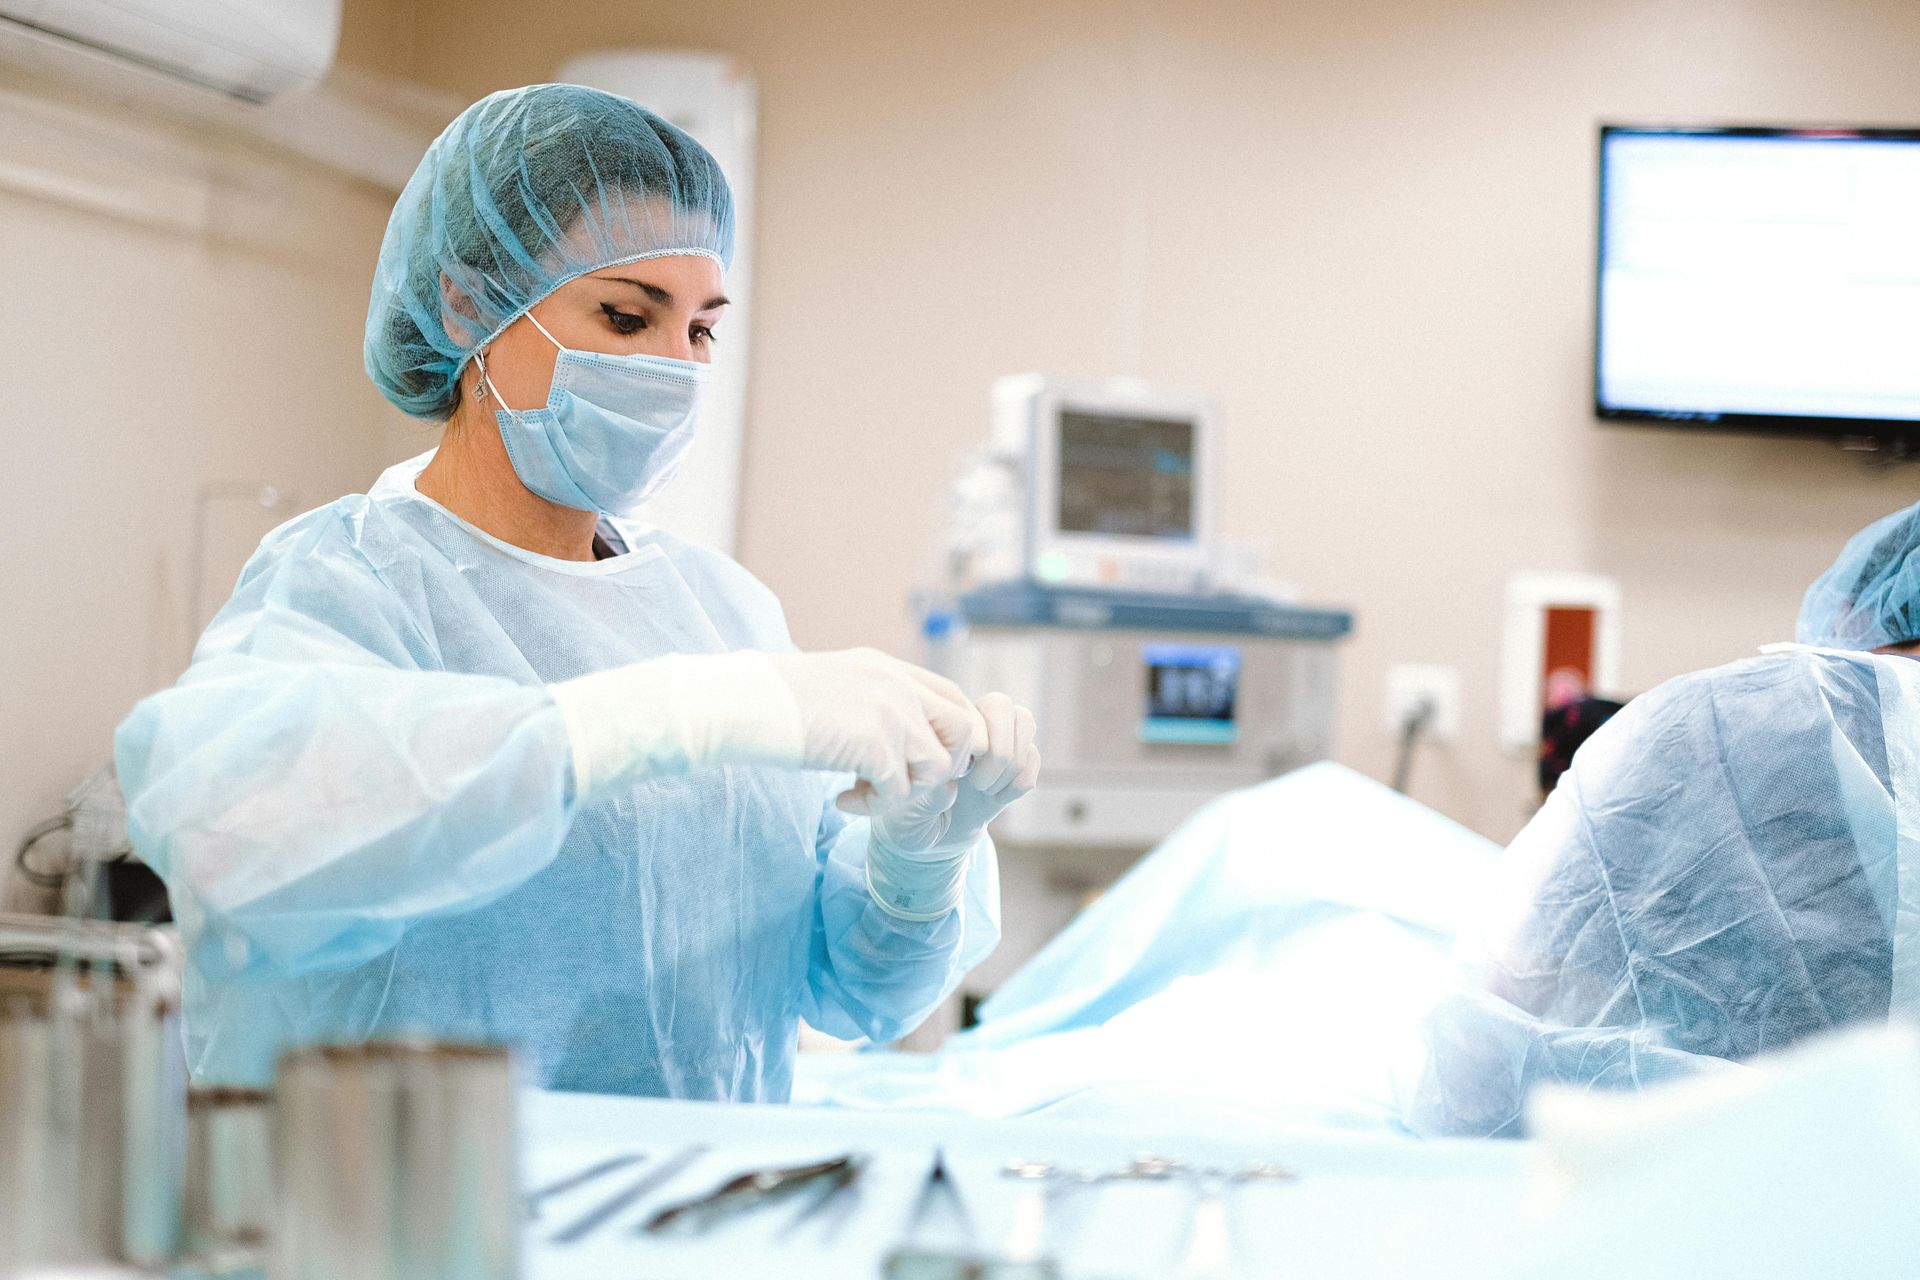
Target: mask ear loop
x,y
543,331
485,385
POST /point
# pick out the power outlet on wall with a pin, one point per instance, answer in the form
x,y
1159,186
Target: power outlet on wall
x,y
1410,684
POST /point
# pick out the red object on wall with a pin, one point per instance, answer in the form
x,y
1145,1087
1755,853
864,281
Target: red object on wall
x,y
1567,657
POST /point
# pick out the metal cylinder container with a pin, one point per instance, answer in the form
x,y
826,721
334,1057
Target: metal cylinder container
x,y
396,1161
92,1095
229,1193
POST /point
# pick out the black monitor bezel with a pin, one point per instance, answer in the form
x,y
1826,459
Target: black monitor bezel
x,y
1903,430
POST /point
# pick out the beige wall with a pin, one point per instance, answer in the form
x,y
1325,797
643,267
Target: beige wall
x,y
137,364
1366,225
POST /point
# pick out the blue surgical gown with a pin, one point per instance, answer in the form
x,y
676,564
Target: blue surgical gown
x,y
360,797
1731,865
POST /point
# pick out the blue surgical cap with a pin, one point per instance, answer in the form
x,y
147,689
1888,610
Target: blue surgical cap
x,y
525,190
1870,598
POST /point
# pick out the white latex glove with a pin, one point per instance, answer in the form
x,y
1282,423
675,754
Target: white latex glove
x,y
889,723
918,848
893,725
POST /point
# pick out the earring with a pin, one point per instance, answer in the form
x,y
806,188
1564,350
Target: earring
x,y
480,383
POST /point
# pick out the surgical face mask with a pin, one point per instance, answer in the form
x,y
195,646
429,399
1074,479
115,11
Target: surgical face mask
x,y
612,432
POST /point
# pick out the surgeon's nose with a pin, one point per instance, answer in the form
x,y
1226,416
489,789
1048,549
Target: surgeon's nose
x,y
680,347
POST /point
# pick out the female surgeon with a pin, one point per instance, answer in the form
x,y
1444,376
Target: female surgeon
x,y
476,756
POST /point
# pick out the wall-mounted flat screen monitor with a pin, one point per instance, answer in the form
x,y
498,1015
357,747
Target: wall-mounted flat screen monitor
x,y
1760,279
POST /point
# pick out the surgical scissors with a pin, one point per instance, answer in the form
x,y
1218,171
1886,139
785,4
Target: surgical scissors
x,y
754,1188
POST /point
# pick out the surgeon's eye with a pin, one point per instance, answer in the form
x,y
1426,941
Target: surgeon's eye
x,y
701,333
623,321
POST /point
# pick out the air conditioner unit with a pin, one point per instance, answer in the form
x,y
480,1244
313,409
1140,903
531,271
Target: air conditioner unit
x,y
251,50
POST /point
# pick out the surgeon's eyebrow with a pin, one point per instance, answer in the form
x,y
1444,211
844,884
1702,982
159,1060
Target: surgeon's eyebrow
x,y
665,298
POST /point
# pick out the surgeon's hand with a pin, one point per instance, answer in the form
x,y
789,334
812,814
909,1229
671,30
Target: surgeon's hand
x,y
919,847
893,725
951,817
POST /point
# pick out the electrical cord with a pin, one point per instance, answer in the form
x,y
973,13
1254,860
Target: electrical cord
x,y
1418,718
23,858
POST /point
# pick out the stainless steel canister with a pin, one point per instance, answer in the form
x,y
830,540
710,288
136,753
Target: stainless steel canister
x,y
92,1095
396,1161
229,1196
